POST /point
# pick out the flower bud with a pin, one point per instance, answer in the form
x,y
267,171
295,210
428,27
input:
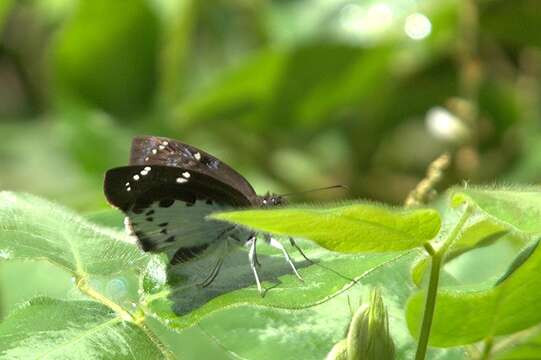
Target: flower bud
x,y
339,351
368,335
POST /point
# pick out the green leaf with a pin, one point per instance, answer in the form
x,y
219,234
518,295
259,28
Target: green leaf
x,y
22,280
477,312
522,257
45,328
5,7
301,99
351,228
239,90
175,298
310,333
482,231
519,208
277,86
116,70
498,22
527,348
35,229
110,218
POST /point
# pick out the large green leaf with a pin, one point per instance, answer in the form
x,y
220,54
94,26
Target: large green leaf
x,y
519,208
33,228
22,280
45,328
239,90
351,228
477,312
499,216
175,298
116,68
311,332
277,86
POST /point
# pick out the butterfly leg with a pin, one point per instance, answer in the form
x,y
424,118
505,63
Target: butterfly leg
x,y
213,273
216,269
277,245
294,244
236,238
252,256
256,259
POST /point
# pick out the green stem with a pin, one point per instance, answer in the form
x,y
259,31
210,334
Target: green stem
x,y
487,348
138,318
430,304
85,288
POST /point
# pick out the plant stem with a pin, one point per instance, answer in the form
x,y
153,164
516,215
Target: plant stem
x,y
82,284
430,304
138,319
487,348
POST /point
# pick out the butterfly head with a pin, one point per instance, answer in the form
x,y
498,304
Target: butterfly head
x,y
270,199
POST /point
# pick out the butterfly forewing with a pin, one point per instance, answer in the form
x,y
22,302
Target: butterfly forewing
x,y
152,150
166,207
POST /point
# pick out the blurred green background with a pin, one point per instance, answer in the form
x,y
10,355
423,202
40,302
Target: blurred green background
x,y
293,94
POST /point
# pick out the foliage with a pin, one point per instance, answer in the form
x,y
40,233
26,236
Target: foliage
x,y
32,228
336,228
295,95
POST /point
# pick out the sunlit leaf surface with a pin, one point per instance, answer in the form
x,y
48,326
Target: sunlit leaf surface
x,y
175,297
277,333
45,328
477,312
517,207
349,228
33,228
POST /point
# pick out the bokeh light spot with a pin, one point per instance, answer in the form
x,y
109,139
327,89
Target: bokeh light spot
x,y
417,26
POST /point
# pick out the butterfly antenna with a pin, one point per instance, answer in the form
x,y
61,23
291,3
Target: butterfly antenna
x,y
294,244
344,187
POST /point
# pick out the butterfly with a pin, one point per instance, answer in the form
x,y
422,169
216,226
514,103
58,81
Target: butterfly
x,y
166,193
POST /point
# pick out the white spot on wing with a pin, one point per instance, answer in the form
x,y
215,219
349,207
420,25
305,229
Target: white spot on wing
x,y
136,177
197,156
181,180
154,151
186,174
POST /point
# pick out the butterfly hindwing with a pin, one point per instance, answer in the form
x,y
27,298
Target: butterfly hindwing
x,y
177,228
153,150
166,207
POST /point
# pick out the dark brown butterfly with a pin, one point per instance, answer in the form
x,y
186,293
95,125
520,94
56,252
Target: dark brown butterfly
x,y
167,191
